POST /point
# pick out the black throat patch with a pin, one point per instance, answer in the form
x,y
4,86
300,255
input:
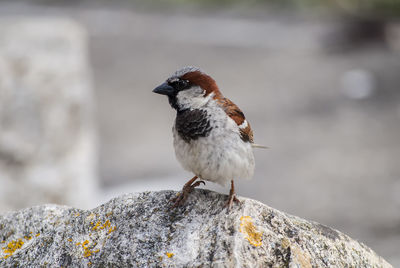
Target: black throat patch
x,y
192,124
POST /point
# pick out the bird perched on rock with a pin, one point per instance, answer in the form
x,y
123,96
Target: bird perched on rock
x,y
212,137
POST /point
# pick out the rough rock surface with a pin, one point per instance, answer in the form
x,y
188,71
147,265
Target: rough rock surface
x,y
47,140
141,230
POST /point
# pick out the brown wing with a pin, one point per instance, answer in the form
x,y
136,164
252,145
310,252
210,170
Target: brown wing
x,y
231,109
246,133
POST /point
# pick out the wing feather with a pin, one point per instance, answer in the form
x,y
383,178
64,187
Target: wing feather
x,y
233,111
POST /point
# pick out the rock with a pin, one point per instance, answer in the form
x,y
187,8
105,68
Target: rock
x,y
141,230
47,140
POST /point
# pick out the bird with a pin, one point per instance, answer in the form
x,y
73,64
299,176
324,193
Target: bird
x,y
211,136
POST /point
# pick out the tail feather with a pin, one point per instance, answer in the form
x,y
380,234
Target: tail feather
x,y
254,145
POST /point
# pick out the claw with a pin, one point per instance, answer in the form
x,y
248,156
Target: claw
x,y
177,201
197,183
186,190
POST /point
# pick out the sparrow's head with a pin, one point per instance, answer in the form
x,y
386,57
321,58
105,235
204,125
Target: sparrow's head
x,y
188,87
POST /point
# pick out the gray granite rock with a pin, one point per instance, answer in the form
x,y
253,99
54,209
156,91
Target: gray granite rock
x,y
141,230
47,138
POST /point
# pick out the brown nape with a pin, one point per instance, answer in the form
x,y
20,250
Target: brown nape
x,y
232,110
204,81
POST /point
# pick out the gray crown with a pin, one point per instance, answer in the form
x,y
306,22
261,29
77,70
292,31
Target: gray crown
x,y
185,70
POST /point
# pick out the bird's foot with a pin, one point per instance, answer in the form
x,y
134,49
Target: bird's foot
x,y
186,190
231,199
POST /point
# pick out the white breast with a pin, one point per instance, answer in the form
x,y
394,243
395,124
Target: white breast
x,y
219,157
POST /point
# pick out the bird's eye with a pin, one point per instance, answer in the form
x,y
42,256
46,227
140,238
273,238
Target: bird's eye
x,y
183,84
180,84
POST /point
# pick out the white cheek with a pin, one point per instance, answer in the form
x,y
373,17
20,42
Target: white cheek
x,y
193,98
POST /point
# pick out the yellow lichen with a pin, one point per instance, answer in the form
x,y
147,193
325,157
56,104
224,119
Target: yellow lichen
x,y
37,234
88,248
106,224
112,229
169,254
12,247
100,226
94,228
252,235
87,252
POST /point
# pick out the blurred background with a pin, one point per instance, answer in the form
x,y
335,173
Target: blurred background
x,y
318,81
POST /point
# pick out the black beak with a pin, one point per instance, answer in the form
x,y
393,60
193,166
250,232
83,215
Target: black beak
x,y
164,89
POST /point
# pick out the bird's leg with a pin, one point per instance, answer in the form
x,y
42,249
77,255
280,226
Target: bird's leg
x,y
186,190
232,197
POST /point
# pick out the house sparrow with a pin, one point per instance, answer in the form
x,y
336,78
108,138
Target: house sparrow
x,y
212,137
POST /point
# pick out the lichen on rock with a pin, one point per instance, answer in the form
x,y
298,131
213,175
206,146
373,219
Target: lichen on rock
x,y
252,235
141,230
